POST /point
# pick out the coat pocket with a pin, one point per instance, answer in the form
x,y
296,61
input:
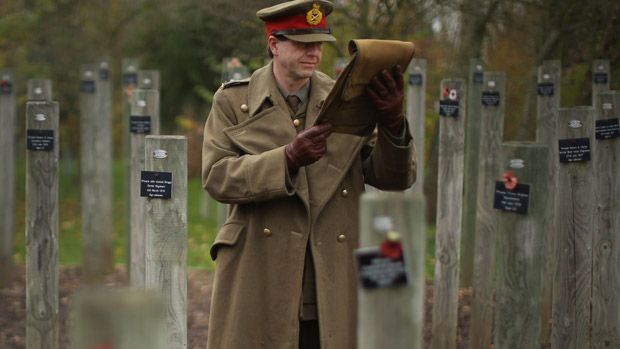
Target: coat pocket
x,y
258,134
227,236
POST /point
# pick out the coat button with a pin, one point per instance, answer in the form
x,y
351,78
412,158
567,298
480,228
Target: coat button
x,y
344,193
296,122
341,238
244,107
267,232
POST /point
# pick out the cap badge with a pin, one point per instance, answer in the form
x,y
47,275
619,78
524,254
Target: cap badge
x,y
314,16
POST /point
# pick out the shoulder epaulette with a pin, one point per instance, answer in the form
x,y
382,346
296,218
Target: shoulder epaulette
x,y
233,83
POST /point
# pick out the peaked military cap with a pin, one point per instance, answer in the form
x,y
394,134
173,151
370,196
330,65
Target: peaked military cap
x,y
299,20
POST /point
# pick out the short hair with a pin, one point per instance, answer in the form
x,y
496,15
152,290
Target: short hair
x,y
278,37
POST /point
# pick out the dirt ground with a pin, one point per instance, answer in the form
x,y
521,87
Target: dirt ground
x,y
13,308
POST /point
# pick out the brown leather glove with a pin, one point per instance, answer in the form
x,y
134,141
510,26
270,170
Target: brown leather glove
x,y
386,93
308,146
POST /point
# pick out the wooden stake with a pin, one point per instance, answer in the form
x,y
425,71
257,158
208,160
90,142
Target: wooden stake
x,y
166,233
491,134
393,317
548,102
449,214
521,247
470,174
144,111
416,113
572,282
606,274
7,173
42,225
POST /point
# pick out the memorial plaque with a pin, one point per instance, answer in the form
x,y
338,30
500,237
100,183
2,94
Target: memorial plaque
x,y
545,89
140,124
449,107
574,150
490,98
516,200
378,271
607,129
87,86
104,74
130,79
478,78
40,140
415,80
600,78
156,184
6,87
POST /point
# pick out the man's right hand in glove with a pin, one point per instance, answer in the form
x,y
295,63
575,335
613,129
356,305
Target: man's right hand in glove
x,y
308,146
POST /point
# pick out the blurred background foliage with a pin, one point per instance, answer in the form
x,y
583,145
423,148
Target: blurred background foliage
x,y
187,40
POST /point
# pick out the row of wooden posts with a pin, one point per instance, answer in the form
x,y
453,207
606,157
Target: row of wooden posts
x,y
544,275
532,227
540,257
158,185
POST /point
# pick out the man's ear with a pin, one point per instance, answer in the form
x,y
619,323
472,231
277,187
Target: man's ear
x,y
272,43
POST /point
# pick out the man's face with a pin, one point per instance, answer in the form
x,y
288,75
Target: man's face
x,y
297,60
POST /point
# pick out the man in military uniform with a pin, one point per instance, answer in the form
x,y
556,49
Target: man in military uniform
x,y
285,274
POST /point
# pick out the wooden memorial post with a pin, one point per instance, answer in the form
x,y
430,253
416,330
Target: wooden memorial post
x,y
39,90
103,151
470,168
164,186
117,319
601,77
96,170
149,80
606,274
42,224
491,134
548,103
391,291
416,113
7,173
144,120
520,203
129,84
453,116
572,281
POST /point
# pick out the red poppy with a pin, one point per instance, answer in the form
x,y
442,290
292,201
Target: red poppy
x,y
391,249
510,181
129,90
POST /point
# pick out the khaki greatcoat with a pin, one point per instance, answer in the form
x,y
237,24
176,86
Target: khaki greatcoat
x,y
260,249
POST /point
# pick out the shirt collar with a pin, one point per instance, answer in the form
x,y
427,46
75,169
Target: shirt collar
x,y
302,93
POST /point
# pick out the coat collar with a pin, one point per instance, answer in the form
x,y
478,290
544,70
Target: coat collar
x,y
262,86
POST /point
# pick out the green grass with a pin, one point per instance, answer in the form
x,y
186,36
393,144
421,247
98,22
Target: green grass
x,y
200,228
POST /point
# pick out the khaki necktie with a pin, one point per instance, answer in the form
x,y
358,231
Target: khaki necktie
x,y
293,101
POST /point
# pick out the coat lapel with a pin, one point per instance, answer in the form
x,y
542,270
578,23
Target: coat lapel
x,y
269,125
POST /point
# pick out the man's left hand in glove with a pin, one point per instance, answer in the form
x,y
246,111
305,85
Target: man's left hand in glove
x,y
385,90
